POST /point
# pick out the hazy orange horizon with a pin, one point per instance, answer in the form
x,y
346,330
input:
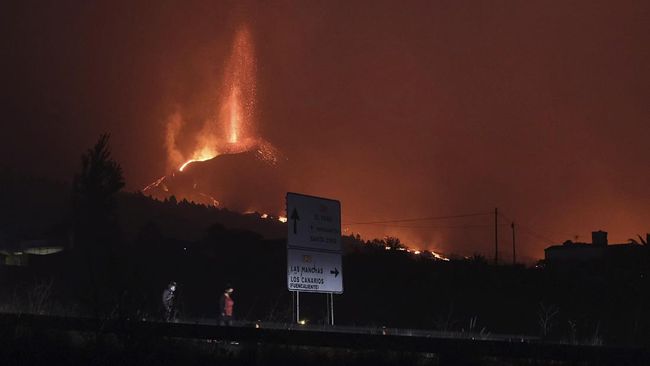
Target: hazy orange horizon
x,y
400,111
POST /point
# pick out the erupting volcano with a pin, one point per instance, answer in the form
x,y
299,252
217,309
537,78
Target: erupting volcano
x,y
231,128
233,155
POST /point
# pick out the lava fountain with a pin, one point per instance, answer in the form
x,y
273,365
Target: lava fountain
x,y
228,135
231,129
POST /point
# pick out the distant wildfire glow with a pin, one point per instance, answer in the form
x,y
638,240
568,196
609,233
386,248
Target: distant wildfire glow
x,y
231,129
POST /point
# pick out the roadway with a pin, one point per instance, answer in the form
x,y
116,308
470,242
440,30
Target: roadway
x,y
448,344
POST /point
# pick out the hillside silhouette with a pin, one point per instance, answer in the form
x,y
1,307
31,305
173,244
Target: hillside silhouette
x,y
202,248
242,181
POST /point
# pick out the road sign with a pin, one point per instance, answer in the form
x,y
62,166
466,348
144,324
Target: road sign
x,y
311,271
314,223
314,244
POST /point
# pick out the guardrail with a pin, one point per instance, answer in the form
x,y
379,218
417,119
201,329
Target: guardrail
x,y
511,347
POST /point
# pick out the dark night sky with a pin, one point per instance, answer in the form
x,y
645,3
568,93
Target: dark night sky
x,y
398,109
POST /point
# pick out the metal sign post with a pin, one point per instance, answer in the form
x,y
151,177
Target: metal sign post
x,y
331,309
297,307
314,248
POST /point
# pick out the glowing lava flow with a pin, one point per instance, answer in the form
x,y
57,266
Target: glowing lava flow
x,y
154,184
205,154
186,164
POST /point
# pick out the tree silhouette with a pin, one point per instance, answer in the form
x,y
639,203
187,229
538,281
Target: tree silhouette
x,y
394,242
96,238
95,187
640,242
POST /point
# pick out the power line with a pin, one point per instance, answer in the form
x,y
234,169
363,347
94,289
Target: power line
x,y
418,219
393,223
529,231
438,226
537,236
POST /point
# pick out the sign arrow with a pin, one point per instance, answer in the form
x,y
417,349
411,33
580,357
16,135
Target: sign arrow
x,y
295,218
335,272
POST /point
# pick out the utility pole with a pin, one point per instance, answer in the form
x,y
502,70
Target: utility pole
x,y
514,250
496,236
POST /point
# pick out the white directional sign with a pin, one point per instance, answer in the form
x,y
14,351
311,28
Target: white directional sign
x,y
314,244
314,223
310,271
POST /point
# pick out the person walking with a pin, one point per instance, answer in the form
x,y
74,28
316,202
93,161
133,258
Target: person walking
x,y
226,305
169,302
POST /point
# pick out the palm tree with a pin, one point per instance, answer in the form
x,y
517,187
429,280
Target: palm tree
x,y
640,242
